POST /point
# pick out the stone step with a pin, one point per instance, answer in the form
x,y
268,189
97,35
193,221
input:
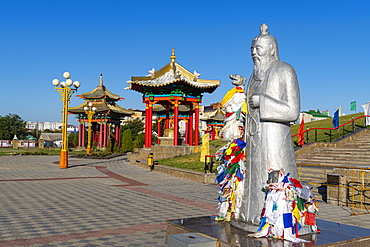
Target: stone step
x,y
349,149
334,163
314,159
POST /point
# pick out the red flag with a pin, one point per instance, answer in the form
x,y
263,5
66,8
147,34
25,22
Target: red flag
x,y
301,133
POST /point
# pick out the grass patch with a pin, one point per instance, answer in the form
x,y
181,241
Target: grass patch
x,y
192,161
323,135
35,151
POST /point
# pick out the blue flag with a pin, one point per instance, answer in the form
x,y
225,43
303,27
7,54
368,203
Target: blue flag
x,y
336,118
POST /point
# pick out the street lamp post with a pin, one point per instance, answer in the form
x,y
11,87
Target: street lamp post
x,y
90,111
65,91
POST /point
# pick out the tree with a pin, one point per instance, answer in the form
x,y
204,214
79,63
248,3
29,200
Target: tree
x,y
72,140
11,125
136,126
127,144
139,140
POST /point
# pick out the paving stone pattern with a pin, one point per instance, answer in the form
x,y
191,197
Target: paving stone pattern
x,y
102,203
93,202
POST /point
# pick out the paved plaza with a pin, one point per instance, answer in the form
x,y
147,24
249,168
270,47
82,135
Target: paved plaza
x,y
103,203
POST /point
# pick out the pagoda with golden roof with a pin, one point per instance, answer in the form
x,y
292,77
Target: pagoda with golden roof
x,y
215,122
107,118
169,88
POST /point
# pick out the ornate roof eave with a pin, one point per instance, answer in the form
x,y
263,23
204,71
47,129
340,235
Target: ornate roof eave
x,y
101,108
161,108
146,80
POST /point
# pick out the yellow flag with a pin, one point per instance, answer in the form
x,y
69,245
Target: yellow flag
x,y
296,213
204,150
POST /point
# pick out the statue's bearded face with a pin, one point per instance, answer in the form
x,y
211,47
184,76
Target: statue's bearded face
x,y
262,55
261,51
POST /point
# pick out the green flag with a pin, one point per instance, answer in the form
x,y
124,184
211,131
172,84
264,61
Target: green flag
x,y
353,106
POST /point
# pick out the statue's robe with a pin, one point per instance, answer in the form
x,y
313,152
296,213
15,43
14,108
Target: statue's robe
x,y
268,137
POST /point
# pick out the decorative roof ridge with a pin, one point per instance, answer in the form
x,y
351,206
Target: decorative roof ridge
x,y
104,90
171,73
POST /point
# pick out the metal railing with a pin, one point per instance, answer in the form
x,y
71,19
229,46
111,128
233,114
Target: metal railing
x,y
346,186
332,134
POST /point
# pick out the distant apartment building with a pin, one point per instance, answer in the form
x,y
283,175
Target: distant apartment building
x,y
138,114
312,115
42,126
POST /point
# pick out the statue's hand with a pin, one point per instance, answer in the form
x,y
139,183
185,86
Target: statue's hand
x,y
254,101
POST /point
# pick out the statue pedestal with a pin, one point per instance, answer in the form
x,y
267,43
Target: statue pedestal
x,y
249,227
166,141
230,236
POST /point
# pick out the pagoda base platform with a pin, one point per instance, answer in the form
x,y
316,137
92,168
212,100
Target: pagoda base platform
x,y
332,234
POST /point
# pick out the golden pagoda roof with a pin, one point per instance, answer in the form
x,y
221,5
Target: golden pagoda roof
x,y
169,74
217,115
101,107
100,92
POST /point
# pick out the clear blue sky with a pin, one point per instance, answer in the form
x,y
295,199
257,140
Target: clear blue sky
x,y
325,41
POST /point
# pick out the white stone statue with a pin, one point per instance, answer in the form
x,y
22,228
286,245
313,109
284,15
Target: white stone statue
x,y
235,107
273,100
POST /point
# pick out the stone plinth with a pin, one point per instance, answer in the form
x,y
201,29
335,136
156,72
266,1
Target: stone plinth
x,y
166,141
336,192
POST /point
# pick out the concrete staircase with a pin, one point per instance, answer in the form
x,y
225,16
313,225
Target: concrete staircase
x,y
314,160
353,150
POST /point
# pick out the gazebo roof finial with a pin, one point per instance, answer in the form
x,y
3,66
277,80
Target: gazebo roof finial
x,y
173,57
101,80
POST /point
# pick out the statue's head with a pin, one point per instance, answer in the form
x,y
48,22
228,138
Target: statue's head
x,y
264,45
238,80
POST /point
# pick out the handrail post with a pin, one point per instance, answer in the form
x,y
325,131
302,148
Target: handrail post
x,y
353,125
308,136
315,135
343,131
362,188
330,135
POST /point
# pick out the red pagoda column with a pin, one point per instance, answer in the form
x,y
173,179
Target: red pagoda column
x,y
196,125
150,122
80,135
101,135
105,134
176,123
190,128
93,134
167,118
118,134
146,138
83,133
159,130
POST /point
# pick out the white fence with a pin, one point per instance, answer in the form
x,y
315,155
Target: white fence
x,y
6,144
21,144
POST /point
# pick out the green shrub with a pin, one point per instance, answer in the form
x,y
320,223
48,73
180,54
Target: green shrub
x,y
139,140
126,143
